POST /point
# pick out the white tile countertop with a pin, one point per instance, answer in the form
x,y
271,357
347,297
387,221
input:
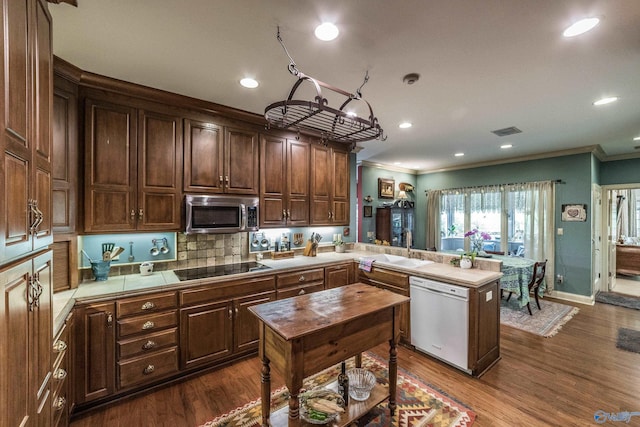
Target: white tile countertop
x,y
132,284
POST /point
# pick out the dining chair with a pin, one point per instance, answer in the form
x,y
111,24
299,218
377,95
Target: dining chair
x,y
539,269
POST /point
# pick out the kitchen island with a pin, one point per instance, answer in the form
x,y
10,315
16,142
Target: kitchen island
x,y
308,333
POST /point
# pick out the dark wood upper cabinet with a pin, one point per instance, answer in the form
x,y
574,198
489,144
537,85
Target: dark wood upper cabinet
x,y
220,159
329,172
133,168
284,178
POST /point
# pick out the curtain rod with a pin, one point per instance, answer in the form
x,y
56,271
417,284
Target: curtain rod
x,y
555,181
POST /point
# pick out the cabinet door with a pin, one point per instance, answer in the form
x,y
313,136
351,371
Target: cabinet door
x,y
65,159
206,333
42,149
340,188
110,167
273,185
298,158
16,132
203,157
321,182
337,276
17,297
241,162
41,326
159,198
95,352
246,331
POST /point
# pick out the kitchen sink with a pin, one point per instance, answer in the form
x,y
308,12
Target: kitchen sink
x,y
397,261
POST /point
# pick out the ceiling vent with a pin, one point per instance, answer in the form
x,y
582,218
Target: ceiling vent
x,y
512,130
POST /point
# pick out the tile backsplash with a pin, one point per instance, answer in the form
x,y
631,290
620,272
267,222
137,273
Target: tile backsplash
x,y
192,250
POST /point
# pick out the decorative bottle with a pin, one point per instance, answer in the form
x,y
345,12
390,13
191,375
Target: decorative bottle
x,y
343,383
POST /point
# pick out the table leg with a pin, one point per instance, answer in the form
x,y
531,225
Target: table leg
x,y
359,360
266,391
393,375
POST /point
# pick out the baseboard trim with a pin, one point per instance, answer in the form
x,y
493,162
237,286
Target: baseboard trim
x,y
580,299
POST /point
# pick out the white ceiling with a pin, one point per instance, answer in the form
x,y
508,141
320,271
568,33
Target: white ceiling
x,y
484,65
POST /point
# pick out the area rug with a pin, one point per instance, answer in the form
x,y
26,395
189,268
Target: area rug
x,y
418,404
618,299
545,322
629,340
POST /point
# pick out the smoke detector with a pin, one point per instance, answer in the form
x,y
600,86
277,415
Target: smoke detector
x,y
411,78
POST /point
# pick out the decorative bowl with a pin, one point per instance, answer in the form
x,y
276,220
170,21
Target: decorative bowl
x,y
361,383
307,407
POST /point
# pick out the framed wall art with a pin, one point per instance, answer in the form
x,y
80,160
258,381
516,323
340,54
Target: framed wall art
x,y
386,188
574,212
367,211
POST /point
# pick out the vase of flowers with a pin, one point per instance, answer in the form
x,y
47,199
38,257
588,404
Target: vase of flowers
x,y
476,239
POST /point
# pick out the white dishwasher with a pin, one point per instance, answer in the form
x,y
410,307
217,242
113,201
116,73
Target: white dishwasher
x,y
440,320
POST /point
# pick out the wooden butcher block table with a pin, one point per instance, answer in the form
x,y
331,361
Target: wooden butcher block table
x,y
303,335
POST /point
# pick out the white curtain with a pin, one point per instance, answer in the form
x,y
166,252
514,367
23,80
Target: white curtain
x,y
539,199
433,219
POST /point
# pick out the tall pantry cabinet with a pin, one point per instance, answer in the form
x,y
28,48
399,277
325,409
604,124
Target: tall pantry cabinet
x,y
25,220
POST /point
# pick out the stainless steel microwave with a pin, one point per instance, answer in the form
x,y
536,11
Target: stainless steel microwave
x,y
221,214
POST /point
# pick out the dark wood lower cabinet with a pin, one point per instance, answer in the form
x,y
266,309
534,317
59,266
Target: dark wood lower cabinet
x,y
206,333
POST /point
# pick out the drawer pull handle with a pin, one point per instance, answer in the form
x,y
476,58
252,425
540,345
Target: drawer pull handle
x,y
149,369
148,345
60,374
58,405
148,305
301,278
302,292
59,346
148,325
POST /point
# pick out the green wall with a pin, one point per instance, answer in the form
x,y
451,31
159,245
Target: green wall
x,y
370,177
573,248
620,172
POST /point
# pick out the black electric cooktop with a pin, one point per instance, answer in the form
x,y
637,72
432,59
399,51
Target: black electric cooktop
x,y
219,270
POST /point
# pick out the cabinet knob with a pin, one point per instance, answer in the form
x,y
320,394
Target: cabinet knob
x,y
59,346
221,181
226,179
301,278
149,369
58,405
148,306
133,214
148,325
230,314
302,292
60,374
140,213
288,214
148,345
109,319
284,214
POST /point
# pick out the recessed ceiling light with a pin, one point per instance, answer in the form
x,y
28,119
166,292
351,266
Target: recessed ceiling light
x,y
405,125
581,27
505,146
637,138
605,101
249,83
326,31
459,154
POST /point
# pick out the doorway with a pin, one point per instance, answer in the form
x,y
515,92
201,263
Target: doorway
x,y
622,213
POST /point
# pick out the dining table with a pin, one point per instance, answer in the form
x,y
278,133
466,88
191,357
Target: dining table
x,y
516,274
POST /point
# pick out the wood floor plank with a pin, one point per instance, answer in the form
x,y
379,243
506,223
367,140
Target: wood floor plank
x,y
557,381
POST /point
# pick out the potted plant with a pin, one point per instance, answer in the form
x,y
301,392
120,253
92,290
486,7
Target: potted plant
x,y
466,260
339,245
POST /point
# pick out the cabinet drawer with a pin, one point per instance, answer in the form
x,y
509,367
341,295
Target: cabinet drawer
x,y
148,323
147,368
300,278
299,290
147,343
146,304
227,290
393,278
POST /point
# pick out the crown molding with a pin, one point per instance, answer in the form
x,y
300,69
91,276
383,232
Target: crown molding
x,y
394,168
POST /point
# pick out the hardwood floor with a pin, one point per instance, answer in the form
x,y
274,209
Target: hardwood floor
x,y
558,381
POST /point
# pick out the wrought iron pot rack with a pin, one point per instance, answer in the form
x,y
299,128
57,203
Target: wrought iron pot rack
x,y
317,117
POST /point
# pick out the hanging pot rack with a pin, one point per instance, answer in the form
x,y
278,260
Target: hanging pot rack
x,y
318,117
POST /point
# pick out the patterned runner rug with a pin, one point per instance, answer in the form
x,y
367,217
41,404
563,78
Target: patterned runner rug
x,y
545,322
618,299
418,404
